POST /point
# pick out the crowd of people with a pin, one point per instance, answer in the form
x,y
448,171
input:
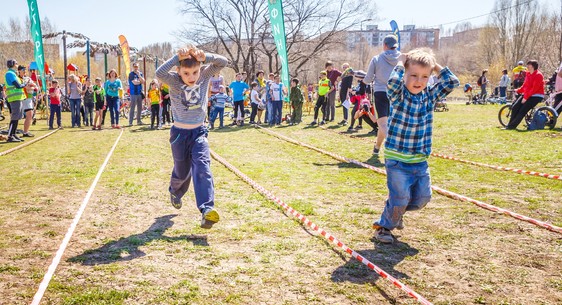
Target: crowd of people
x,y
394,96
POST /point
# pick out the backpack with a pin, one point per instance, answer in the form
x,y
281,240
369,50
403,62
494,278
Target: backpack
x,y
538,122
479,82
518,80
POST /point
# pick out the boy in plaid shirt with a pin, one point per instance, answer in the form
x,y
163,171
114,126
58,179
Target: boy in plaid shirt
x,y
408,143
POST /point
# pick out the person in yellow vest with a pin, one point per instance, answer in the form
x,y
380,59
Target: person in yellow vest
x,y
324,88
15,97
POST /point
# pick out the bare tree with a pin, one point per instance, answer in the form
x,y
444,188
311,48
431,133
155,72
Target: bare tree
x,y
229,26
240,29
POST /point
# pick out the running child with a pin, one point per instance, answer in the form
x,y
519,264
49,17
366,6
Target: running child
x,y
188,135
408,144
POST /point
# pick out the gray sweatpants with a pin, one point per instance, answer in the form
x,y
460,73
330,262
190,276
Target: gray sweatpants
x,y
16,110
331,106
136,102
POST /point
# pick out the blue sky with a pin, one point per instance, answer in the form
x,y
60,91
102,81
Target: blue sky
x,y
144,22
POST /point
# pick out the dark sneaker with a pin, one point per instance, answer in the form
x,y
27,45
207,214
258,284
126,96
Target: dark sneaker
x,y
322,123
18,138
28,135
176,201
313,123
374,131
376,151
358,127
209,218
350,129
384,236
343,123
13,139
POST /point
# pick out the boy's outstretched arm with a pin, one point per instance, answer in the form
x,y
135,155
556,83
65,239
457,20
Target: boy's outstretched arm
x,y
215,64
395,84
447,82
163,72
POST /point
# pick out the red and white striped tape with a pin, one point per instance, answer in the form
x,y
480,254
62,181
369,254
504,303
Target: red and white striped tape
x,y
502,168
11,150
322,232
437,189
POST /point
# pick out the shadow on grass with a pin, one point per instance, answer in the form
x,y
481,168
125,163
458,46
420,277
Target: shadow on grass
x,y
387,257
127,248
338,164
375,161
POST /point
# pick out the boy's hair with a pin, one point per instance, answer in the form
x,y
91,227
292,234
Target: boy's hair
x,y
295,80
533,63
328,64
421,56
504,71
254,84
55,81
189,63
271,74
484,71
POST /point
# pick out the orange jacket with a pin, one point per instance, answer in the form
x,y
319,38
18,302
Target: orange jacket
x,y
534,84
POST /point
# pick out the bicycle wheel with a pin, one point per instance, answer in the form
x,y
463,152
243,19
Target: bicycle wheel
x,y
550,114
504,115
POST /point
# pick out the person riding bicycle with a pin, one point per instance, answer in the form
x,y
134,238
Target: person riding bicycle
x,y
533,93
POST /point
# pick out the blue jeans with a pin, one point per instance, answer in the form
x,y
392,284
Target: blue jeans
x,y
409,189
75,111
190,150
55,109
268,112
113,105
277,112
217,111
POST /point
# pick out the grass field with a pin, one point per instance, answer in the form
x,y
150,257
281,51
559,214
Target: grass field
x,y
132,247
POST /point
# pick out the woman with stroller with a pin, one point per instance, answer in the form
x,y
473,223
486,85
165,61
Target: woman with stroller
x,y
532,91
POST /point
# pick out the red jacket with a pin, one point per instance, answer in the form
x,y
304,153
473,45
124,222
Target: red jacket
x,y
534,84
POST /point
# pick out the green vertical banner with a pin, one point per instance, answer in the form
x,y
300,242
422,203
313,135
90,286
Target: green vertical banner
x,y
37,36
278,31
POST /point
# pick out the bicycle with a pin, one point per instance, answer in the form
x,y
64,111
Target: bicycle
x,y
550,112
124,109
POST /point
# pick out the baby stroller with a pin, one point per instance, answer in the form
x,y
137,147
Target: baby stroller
x,y
495,97
441,106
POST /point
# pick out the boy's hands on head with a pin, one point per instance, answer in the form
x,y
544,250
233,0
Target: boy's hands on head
x,y
183,53
186,53
402,58
197,54
437,68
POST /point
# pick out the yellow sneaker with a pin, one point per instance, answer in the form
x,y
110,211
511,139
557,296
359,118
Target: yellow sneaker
x,y
209,218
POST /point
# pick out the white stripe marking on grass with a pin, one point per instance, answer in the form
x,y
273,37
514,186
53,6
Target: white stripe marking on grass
x,y
51,271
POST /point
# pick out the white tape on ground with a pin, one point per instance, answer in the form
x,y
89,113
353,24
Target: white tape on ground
x,y
51,271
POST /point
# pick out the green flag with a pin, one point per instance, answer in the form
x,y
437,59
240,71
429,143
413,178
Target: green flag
x,y
278,31
37,38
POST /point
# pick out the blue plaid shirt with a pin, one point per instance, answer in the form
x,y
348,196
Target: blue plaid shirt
x,y
410,123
